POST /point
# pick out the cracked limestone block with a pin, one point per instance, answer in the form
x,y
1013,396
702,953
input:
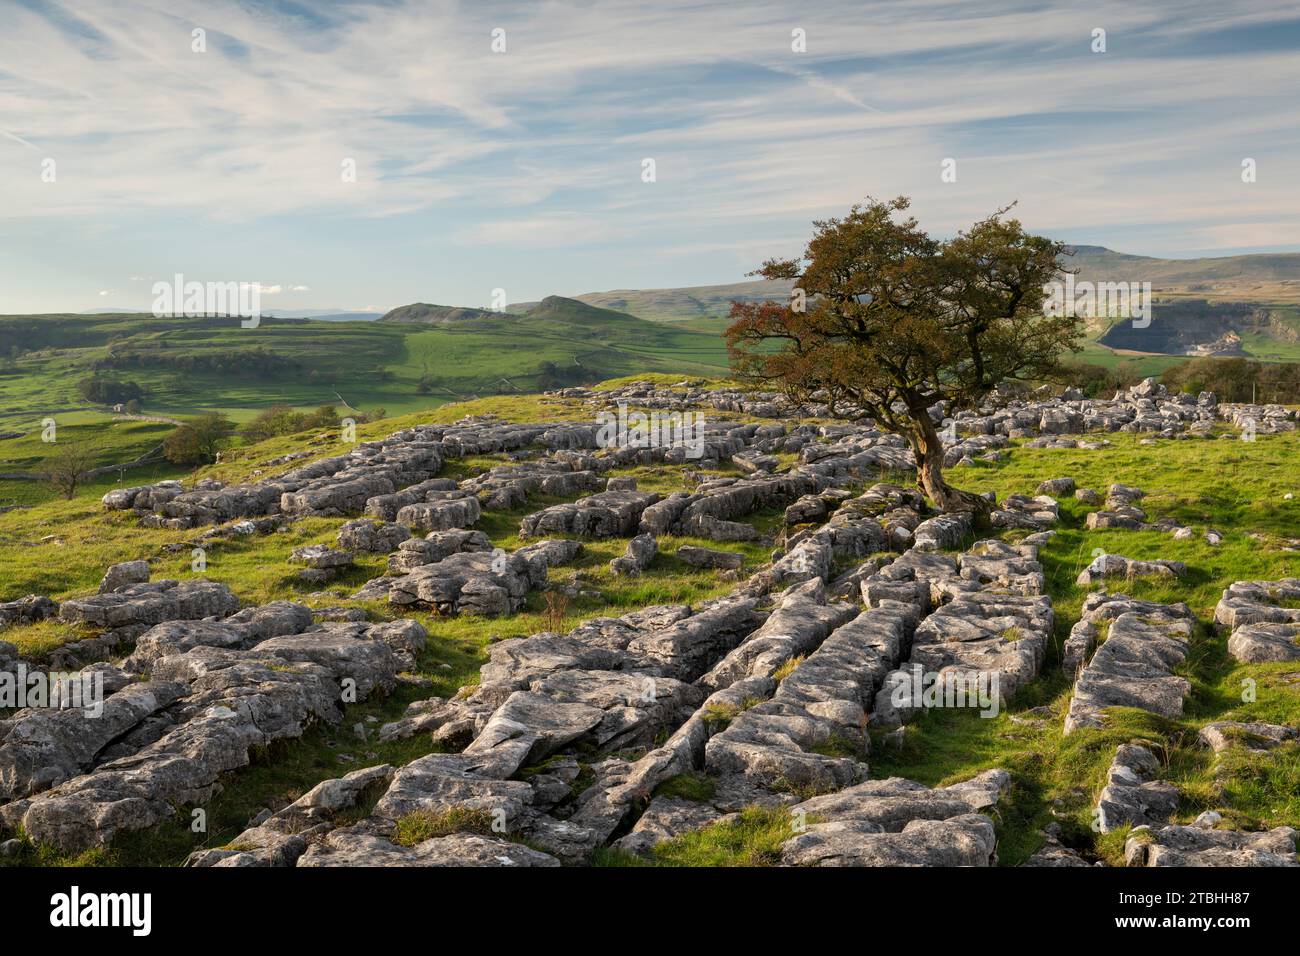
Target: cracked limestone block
x,y
284,836
151,603
373,537
441,515
1021,511
811,732
1253,735
944,532
1133,668
1117,566
980,648
1077,647
1199,846
236,700
709,558
321,557
240,630
1056,487
1132,797
434,547
896,822
798,624
1265,643
385,507
44,747
609,514
350,847
1259,602
123,575
27,610
640,552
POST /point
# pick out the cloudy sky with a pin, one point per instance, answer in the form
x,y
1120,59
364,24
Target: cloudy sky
x,y
130,150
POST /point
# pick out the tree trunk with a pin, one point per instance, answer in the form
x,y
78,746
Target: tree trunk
x,y
927,447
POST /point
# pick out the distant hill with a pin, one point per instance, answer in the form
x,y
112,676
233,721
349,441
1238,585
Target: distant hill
x,y
679,305
323,315
1260,278
1098,262
555,318
422,313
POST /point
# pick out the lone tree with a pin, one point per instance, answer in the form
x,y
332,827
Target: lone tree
x,y
69,467
891,321
199,441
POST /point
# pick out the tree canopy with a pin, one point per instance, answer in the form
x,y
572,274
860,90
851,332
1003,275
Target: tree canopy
x,y
889,322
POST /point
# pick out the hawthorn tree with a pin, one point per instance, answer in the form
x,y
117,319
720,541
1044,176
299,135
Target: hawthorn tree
x,y
891,322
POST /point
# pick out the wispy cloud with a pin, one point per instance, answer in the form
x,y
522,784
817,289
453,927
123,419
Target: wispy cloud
x,y
316,121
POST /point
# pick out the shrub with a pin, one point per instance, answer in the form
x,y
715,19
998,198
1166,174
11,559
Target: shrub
x,y
103,390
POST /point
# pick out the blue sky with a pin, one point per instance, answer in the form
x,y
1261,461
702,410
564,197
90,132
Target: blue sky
x,y
522,170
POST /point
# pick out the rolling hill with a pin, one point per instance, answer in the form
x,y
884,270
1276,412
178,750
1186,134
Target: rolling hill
x,y
189,365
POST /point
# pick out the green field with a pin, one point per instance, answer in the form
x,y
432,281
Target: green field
x,y
188,366
192,365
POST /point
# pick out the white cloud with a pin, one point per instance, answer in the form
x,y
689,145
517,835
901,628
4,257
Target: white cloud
x,y
539,147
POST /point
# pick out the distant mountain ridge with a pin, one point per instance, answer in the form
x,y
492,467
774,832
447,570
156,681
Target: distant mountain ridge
x,y
1258,277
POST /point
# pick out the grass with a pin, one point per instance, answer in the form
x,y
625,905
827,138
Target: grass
x,y
61,548
1233,486
752,838
420,825
696,787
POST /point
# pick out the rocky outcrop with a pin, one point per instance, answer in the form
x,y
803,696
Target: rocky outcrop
x,y
1200,846
896,822
1264,617
1134,667
609,514
1117,566
27,610
205,710
1132,796
152,603
366,535
640,552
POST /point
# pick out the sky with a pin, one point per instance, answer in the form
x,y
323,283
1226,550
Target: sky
x,y
133,148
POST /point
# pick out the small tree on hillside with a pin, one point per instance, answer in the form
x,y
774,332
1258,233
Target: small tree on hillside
x,y
182,446
68,468
896,322
212,429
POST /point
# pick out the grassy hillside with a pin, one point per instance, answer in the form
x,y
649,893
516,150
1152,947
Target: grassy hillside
x,y
61,548
188,366
1263,277
687,305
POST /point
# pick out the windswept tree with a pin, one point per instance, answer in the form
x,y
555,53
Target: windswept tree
x,y
890,321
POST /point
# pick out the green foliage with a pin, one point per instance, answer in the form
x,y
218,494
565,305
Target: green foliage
x,y
1236,379
198,442
895,322
182,447
102,390
283,420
